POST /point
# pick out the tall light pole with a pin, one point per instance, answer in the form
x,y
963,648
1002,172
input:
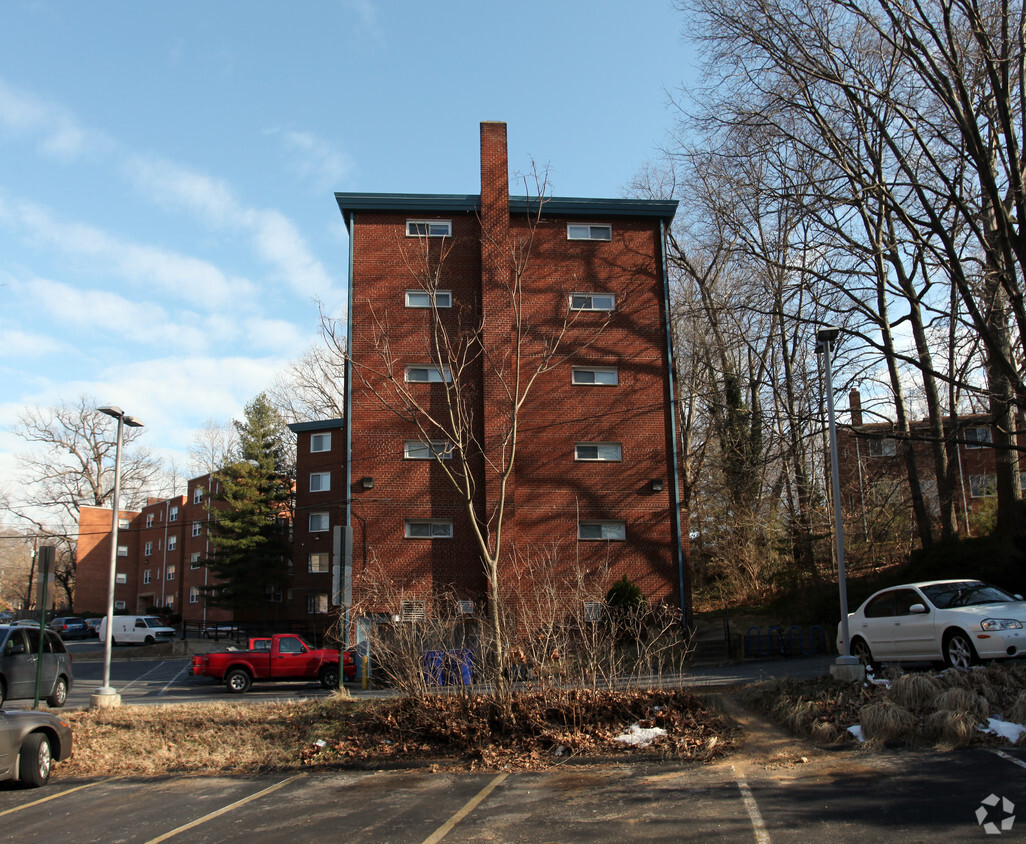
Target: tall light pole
x,y
105,696
846,667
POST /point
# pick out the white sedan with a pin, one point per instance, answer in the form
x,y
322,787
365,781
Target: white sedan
x,y
958,621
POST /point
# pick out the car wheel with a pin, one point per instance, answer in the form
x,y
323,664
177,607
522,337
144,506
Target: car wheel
x,y
959,651
238,681
3,692
149,640
860,648
35,760
60,693
329,676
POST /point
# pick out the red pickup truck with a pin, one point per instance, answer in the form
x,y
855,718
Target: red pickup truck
x,y
283,656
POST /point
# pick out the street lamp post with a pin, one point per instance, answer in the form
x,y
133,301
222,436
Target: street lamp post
x,y
845,667
105,696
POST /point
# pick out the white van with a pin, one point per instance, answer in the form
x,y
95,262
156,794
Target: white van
x,y
142,629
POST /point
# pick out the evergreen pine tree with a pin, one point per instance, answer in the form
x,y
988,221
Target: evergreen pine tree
x,y
250,515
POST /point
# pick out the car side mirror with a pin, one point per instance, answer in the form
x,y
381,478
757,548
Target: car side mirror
x,y
1017,597
918,609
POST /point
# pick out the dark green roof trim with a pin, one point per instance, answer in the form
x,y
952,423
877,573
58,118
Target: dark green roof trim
x,y
318,425
556,206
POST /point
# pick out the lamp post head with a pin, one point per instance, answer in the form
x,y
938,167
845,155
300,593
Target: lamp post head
x,y
114,411
826,337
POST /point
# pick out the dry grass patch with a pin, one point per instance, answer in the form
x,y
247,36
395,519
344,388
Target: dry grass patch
x,y
535,729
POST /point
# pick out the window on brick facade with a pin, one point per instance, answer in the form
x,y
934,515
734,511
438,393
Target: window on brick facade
x,y
977,437
317,604
433,449
588,231
320,481
429,528
146,576
119,605
194,594
593,611
885,447
422,298
149,520
319,522
412,611
197,495
274,594
197,528
194,560
123,524
603,375
320,442
592,301
319,564
598,451
428,374
148,549
172,543
122,550
428,228
170,601
602,529
983,486
171,572
173,514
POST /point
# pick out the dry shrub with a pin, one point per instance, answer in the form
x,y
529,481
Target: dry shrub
x,y
953,678
951,728
963,701
885,722
1017,711
823,732
914,691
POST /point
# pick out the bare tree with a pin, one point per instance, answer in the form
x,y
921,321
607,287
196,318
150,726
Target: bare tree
x,y
311,388
213,446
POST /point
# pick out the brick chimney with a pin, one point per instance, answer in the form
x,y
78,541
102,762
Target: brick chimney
x,y
494,182
855,405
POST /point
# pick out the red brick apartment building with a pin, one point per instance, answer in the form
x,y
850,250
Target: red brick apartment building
x,y
595,483
874,475
158,564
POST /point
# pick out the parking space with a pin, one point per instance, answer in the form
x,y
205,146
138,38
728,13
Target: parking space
x,y
838,797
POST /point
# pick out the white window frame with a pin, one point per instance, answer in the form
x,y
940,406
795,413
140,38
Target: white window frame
x,y
613,452
412,611
578,371
323,482
197,495
149,520
435,374
983,486
122,550
119,605
170,571
172,515
194,560
429,228
124,524
194,594
147,577
589,231
172,542
589,303
148,549
318,519
317,603
436,529
882,447
974,438
611,530
430,450
197,528
323,440
428,298
275,595
593,611
318,570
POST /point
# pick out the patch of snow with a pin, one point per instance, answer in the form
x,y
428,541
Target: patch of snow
x,y
638,736
856,730
1005,729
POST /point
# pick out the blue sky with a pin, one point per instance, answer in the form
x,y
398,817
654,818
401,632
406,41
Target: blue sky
x,y
167,220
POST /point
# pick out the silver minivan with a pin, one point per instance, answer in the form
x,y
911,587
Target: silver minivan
x,y
19,658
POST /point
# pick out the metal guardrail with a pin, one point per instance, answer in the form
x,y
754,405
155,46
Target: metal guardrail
x,y
796,640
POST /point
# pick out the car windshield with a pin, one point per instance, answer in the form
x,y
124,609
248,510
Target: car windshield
x,y
965,593
152,622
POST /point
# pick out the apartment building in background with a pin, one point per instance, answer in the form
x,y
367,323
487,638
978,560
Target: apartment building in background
x,y
594,489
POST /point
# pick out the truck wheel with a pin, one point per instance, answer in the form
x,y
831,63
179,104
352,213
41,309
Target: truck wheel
x,y
329,676
149,640
238,681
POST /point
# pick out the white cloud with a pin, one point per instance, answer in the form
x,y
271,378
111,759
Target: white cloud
x,y
368,17
186,277
60,134
315,159
19,344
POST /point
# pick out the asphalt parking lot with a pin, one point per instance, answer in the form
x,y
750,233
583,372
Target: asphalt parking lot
x,y
906,797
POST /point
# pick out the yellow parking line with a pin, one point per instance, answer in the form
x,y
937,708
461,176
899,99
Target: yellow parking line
x,y
447,827
223,810
54,796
